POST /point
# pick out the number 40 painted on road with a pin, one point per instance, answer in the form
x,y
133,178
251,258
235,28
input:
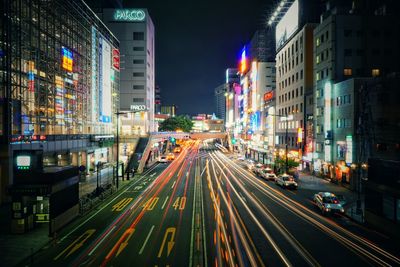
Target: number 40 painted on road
x,y
180,203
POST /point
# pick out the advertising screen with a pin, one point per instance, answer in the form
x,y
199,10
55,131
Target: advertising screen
x,y
287,25
105,81
23,162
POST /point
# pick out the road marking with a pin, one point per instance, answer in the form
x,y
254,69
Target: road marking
x,y
137,188
244,199
165,202
151,203
104,238
173,184
129,232
122,204
151,175
75,245
147,239
171,242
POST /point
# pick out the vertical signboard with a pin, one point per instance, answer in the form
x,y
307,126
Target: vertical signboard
x,y
94,75
115,59
104,81
349,149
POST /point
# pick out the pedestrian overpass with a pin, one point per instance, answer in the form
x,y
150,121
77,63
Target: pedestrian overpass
x,y
156,137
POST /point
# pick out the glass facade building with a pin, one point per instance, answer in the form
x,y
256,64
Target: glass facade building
x,y
59,84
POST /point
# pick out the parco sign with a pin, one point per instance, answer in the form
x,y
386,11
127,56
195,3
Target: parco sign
x,y
138,108
129,15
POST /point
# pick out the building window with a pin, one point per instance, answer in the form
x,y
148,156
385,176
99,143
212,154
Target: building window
x,y
138,61
138,48
388,207
138,87
347,72
301,107
318,60
317,77
138,74
297,92
347,123
347,53
138,36
301,90
297,76
347,33
375,72
301,74
138,100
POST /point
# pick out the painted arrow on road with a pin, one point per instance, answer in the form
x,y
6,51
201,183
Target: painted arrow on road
x,y
171,242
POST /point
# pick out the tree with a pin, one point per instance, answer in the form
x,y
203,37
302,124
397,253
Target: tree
x,y
176,123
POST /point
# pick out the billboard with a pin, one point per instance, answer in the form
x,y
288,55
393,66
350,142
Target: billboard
x,y
288,25
104,81
67,59
115,59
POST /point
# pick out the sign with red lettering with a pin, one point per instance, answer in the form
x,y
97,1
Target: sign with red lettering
x,y
115,58
269,96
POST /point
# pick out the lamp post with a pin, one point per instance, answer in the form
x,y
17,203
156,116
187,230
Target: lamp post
x,y
286,137
122,113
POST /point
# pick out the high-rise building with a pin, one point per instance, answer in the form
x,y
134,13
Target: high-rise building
x,y
169,110
157,100
294,65
351,41
232,100
219,101
257,77
59,86
135,30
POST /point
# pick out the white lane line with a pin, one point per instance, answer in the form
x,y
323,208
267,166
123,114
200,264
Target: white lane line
x,y
244,199
165,202
147,239
104,238
151,175
173,185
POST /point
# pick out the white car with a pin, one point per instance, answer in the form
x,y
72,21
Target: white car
x,y
328,203
268,174
286,181
163,159
258,168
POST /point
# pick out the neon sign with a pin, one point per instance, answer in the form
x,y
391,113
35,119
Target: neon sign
x,y
115,58
268,96
67,58
243,61
129,15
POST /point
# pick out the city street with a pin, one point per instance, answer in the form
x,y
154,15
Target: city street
x,y
205,209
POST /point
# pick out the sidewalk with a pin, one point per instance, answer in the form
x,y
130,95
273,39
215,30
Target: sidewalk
x,y
89,183
15,248
307,181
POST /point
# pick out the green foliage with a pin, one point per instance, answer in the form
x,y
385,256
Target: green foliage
x,y
281,163
172,124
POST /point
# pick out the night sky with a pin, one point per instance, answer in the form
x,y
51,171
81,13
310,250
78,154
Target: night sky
x,y
195,42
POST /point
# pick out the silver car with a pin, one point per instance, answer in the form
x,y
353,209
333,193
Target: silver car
x,y
286,181
328,203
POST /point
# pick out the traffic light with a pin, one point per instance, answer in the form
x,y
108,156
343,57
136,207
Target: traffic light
x,y
233,141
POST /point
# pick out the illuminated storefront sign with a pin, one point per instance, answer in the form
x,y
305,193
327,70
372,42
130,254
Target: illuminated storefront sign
x,y
138,108
23,162
129,15
104,81
349,149
115,58
327,118
299,135
243,61
94,93
67,58
269,96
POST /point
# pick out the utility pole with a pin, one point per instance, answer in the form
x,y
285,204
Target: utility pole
x,y
286,136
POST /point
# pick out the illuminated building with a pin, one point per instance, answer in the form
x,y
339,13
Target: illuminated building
x,y
231,100
256,79
169,110
294,65
350,41
157,100
137,68
59,85
220,93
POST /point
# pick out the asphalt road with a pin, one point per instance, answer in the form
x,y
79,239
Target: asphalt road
x,y
205,209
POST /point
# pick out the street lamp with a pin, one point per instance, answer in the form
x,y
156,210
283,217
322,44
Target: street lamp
x,y
286,137
122,113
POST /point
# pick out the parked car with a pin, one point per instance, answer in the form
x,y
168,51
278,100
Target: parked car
x,y
258,168
342,200
328,203
162,159
268,174
250,165
286,181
